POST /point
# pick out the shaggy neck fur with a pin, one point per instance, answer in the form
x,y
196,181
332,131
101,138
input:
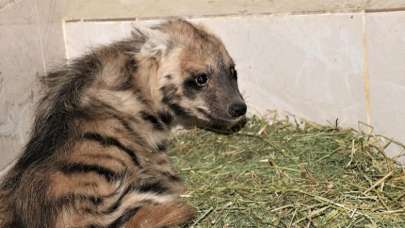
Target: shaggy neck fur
x,y
118,88
144,108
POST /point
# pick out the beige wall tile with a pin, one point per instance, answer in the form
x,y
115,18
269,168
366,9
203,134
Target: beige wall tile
x,y
386,44
381,5
51,31
109,9
18,70
306,65
30,42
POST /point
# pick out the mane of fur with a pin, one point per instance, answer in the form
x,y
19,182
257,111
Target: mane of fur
x,y
53,124
55,111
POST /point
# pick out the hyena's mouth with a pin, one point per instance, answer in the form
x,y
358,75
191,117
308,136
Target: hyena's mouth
x,y
220,125
224,128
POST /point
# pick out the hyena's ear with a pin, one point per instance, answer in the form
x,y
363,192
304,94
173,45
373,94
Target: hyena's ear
x,y
156,43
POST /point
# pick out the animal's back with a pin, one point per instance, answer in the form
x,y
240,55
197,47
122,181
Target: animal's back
x,y
97,154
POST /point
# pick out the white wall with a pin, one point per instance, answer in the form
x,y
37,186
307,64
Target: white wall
x,y
31,42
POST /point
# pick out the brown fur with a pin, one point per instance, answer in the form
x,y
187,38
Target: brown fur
x,y
96,157
163,215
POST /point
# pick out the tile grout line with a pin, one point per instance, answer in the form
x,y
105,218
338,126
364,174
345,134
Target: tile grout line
x,y
40,35
65,40
366,68
237,14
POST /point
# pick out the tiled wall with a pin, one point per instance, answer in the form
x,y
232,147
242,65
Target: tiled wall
x,y
115,9
31,42
386,60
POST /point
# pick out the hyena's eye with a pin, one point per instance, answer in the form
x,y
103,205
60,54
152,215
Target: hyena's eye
x,y
234,73
201,79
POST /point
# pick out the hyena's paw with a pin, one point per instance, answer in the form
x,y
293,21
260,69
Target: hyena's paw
x,y
171,214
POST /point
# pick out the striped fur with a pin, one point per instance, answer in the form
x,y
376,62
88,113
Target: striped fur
x,y
96,156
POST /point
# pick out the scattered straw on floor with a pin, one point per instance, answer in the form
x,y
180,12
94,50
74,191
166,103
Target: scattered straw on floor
x,y
281,175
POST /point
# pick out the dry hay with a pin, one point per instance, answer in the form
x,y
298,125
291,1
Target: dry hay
x,y
290,175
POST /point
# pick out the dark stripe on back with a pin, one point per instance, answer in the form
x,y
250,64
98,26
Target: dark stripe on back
x,y
117,203
127,125
107,157
71,198
153,120
155,187
73,168
110,141
125,217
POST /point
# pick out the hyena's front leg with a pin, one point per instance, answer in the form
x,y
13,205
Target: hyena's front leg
x,y
168,214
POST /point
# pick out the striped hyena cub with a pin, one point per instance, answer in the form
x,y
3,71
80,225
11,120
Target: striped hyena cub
x,y
96,157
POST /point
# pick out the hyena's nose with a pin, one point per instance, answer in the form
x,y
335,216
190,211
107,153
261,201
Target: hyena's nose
x,y
237,109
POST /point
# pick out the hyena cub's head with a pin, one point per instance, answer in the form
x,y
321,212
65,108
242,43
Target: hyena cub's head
x,y
198,82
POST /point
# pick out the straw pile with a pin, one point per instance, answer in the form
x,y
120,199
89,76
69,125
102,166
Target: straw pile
x,y
290,175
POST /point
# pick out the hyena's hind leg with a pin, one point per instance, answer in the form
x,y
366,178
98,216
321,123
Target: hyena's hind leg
x,y
6,210
170,214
